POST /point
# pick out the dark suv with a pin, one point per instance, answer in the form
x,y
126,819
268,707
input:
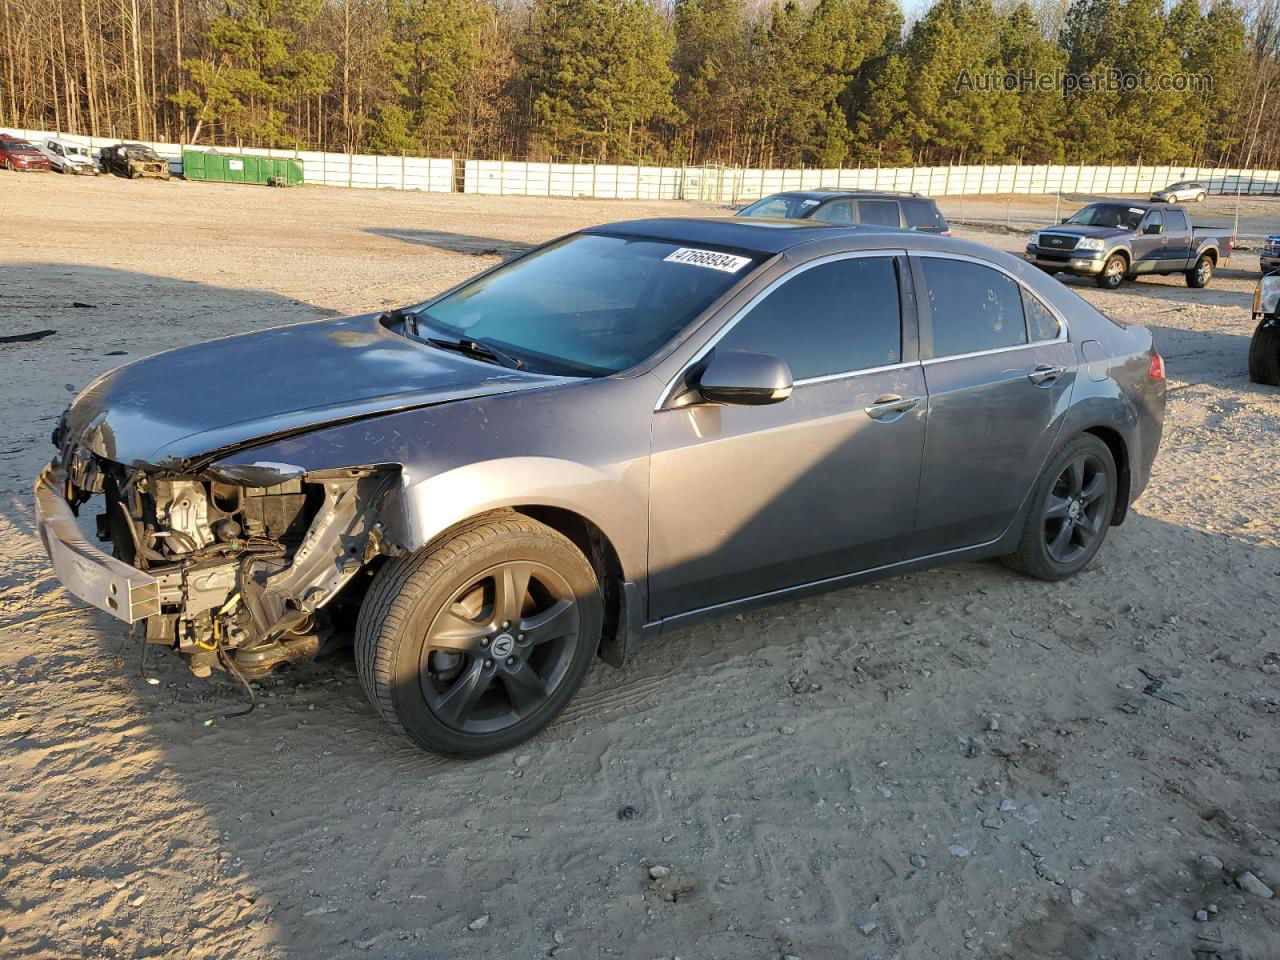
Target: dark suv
x,y
911,211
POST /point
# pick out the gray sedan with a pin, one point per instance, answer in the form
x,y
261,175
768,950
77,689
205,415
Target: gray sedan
x,y
631,429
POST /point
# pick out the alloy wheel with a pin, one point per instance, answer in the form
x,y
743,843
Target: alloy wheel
x,y
498,650
1073,512
1115,270
1204,271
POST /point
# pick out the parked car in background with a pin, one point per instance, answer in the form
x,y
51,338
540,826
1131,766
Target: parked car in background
x,y
67,157
133,160
1186,190
1269,258
20,155
1123,238
910,211
1264,347
631,429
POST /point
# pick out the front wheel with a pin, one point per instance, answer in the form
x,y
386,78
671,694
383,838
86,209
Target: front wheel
x,y
477,642
1264,353
1071,509
1200,275
1112,273
1200,197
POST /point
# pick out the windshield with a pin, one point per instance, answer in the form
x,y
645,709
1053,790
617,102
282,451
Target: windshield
x,y
19,146
587,305
1108,215
141,153
73,151
780,205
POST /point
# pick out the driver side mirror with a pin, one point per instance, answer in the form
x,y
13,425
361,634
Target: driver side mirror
x,y
1151,228
745,379
1065,220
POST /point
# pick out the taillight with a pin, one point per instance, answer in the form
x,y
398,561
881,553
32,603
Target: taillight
x,y
1231,244
1156,370
945,233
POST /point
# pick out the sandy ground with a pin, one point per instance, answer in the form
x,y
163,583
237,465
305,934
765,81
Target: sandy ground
x,y
957,763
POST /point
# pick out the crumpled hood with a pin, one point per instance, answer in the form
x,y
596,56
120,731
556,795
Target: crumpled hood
x,y
176,407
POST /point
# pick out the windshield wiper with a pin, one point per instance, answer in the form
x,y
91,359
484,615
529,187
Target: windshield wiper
x,y
478,350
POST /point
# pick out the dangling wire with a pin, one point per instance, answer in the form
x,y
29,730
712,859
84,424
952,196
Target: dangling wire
x,y
229,663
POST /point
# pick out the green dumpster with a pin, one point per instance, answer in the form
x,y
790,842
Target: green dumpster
x,y
233,168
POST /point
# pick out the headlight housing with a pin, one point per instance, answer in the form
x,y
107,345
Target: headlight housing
x,y
1034,241
1090,243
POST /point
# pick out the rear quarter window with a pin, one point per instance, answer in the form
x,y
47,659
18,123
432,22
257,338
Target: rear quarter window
x,y
923,214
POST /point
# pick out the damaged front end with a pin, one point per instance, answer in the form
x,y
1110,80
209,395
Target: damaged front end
x,y
239,568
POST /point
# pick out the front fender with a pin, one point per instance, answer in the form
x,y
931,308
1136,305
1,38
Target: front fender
x,y
426,506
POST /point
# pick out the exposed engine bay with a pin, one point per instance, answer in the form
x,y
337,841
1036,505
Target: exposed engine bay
x,y
245,573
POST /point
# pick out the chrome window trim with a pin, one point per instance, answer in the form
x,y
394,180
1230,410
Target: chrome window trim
x,y
825,378
1064,333
750,304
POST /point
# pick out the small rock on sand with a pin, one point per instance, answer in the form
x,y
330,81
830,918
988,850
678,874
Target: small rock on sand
x,y
1249,883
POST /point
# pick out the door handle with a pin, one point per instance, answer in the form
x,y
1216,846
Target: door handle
x,y
885,407
1044,374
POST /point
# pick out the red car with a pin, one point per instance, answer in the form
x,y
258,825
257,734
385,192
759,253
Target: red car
x,y
20,155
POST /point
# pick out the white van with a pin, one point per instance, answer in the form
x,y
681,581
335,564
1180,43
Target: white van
x,y
67,157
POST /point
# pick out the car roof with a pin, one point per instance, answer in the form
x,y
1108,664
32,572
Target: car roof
x,y
760,234
1136,204
827,193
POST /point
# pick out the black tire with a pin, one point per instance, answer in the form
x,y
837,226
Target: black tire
x,y
1200,275
1264,353
1200,197
460,699
1112,273
1068,518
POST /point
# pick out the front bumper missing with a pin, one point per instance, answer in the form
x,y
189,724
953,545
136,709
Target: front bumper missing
x,y
109,584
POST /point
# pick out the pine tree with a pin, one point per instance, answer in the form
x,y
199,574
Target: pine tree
x,y
255,69
713,88
1036,134
600,78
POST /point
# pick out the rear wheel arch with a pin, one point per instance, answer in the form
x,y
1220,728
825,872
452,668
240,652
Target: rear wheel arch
x,y
1120,455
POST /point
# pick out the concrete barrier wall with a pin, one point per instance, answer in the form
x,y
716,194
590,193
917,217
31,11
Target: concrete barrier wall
x,y
731,185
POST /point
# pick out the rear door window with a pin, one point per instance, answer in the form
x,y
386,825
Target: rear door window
x,y
836,317
1176,220
880,213
834,211
923,215
973,308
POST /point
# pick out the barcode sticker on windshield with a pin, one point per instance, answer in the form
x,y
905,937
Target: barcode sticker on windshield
x,y
726,262
1137,210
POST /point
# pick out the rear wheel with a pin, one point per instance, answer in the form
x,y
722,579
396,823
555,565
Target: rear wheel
x,y
1200,275
1264,353
1071,509
477,642
1113,271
